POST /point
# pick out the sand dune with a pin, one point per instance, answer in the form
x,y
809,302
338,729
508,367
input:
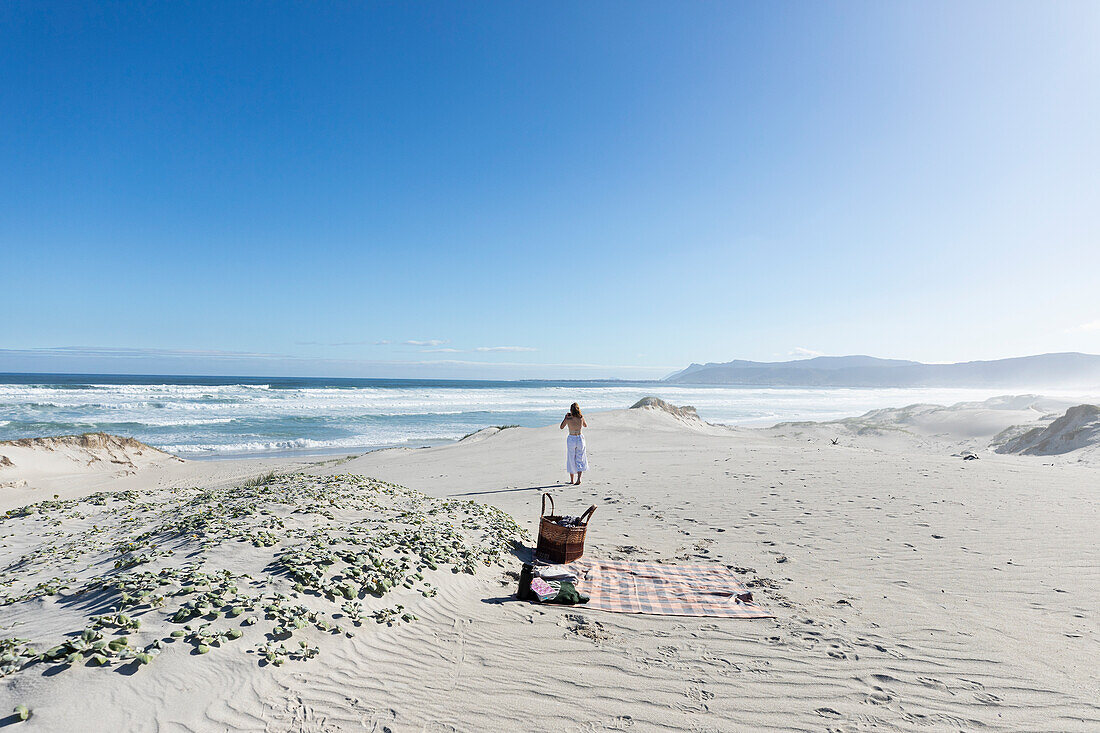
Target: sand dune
x,y
913,591
687,414
966,426
1076,430
91,453
69,466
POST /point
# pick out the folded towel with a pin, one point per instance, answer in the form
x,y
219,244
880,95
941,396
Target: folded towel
x,y
555,572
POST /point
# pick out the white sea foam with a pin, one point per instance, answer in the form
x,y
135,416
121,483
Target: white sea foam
x,y
299,445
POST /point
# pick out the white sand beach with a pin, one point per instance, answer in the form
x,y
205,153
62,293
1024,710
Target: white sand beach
x,y
912,589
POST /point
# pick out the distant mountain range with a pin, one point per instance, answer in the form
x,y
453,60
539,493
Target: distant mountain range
x,y
1043,370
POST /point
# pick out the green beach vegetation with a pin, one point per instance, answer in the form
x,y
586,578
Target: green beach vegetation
x,y
270,565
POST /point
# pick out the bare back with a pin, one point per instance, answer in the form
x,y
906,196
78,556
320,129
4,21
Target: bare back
x,y
574,424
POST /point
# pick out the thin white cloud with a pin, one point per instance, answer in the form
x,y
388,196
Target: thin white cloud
x,y
804,353
479,349
1085,327
408,342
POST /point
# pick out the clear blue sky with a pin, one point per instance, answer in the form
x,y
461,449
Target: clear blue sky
x,y
527,188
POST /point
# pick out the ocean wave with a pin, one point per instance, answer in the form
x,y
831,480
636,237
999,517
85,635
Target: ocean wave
x,y
295,445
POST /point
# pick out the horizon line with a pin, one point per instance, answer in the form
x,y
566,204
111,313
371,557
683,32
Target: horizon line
x,y
4,374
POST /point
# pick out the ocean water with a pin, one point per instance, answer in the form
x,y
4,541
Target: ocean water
x,y
231,416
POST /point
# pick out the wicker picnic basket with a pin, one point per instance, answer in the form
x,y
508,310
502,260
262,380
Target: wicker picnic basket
x,y
558,544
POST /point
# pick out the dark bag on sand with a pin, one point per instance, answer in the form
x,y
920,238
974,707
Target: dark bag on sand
x,y
524,591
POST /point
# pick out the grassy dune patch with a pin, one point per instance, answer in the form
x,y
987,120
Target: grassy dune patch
x,y
269,566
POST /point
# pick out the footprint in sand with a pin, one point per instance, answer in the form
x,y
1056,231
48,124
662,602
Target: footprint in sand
x,y
884,679
619,722
884,650
668,652
585,627
836,653
878,696
698,698
767,583
935,683
721,665
700,694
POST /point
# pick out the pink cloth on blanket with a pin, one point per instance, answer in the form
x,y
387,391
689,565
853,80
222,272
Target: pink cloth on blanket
x,y
542,589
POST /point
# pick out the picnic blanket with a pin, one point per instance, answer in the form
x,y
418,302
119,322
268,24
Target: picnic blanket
x,y
666,590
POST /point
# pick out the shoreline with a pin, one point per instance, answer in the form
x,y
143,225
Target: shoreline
x,y
202,422
1038,410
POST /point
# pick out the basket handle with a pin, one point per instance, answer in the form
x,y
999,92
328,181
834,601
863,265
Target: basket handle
x,y
587,514
544,498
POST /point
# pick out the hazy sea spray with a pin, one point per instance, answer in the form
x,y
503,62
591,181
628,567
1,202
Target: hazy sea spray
x,y
225,416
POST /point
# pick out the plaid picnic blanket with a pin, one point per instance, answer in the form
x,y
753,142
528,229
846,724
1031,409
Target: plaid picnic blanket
x,y
666,590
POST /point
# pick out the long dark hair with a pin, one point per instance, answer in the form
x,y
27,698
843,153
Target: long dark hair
x,y
575,410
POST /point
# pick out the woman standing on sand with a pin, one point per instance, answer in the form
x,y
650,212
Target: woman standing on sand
x,y
576,459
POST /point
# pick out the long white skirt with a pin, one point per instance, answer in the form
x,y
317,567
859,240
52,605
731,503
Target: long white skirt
x,y
576,458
